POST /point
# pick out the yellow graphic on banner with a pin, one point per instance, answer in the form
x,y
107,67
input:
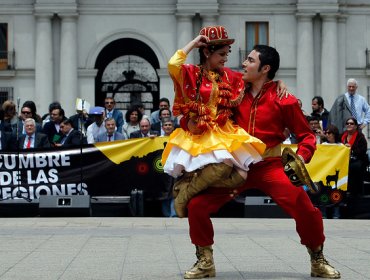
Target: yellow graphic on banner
x,y
329,165
123,150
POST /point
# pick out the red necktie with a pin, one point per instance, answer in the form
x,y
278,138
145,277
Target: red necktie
x,y
29,142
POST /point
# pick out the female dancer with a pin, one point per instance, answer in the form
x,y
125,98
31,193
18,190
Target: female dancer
x,y
205,95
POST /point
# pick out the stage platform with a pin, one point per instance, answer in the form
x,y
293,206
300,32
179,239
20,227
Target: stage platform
x,y
127,248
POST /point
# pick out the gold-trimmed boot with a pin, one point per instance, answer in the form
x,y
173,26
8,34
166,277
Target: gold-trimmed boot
x,y
204,267
201,180
320,267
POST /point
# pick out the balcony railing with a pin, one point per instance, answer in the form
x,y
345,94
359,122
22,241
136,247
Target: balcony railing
x,y
7,60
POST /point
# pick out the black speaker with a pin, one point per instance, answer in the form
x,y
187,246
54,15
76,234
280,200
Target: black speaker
x,y
262,207
64,206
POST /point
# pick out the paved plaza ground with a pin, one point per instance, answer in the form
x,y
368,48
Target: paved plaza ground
x,y
159,248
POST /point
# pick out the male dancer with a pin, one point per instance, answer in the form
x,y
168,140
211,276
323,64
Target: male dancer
x,y
265,116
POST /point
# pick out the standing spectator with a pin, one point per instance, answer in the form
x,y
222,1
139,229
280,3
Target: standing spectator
x,y
52,128
19,128
133,118
332,138
10,113
47,117
300,106
32,138
111,133
141,108
168,207
164,103
163,113
30,104
168,126
350,104
111,112
97,127
6,141
81,121
319,111
144,130
355,139
70,136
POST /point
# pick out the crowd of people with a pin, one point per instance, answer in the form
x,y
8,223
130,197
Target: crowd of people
x,y
99,124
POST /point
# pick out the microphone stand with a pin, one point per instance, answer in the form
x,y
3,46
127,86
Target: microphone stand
x,y
19,193
81,143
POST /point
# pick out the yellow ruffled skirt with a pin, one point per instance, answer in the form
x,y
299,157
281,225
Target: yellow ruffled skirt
x,y
231,144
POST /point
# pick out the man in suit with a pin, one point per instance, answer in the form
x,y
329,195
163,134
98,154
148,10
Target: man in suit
x,y
70,136
111,134
52,128
111,112
163,113
32,139
144,130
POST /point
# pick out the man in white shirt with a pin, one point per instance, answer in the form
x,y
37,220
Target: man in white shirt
x,y
97,127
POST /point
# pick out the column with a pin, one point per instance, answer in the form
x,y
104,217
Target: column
x,y
209,20
305,60
342,81
185,33
43,63
68,64
329,59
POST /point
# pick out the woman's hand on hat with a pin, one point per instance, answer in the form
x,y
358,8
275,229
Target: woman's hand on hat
x,y
197,42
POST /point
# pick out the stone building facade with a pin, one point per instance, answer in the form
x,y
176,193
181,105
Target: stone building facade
x,y
59,50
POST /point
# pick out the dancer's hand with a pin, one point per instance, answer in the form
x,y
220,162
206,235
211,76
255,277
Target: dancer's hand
x,y
282,90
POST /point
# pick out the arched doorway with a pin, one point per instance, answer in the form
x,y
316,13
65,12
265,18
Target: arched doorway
x,y
127,72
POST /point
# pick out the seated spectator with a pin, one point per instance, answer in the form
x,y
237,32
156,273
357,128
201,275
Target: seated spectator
x,y
163,113
52,128
314,123
141,108
133,117
111,133
144,130
32,138
112,112
355,139
70,137
97,127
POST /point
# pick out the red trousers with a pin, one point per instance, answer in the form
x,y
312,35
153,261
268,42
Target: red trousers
x,y
269,177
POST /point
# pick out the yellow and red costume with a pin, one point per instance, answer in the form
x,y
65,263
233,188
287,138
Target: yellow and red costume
x,y
207,100
266,116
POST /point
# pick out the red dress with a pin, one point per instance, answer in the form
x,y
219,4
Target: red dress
x,y
210,106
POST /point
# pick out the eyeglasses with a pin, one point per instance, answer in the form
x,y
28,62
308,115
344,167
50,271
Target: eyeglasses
x,y
329,132
26,112
350,123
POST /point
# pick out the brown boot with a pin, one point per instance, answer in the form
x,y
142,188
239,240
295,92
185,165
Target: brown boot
x,y
320,267
204,267
201,180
